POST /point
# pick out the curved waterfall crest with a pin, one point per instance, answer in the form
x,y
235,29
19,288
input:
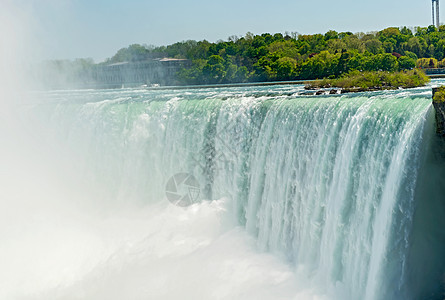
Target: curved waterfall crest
x,y
328,182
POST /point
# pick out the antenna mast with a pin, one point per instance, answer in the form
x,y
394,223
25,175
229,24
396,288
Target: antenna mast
x,y
436,14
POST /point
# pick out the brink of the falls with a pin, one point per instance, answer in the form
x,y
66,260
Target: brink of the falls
x,y
331,197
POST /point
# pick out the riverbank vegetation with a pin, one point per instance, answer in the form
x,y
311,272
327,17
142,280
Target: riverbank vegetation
x,y
356,81
291,56
439,95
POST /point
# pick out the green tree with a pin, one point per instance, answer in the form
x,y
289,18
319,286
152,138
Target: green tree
x,y
133,52
406,63
193,74
406,31
284,49
426,63
431,29
241,75
331,35
230,74
440,50
353,43
335,45
389,45
411,55
386,62
286,68
415,46
214,71
320,66
374,46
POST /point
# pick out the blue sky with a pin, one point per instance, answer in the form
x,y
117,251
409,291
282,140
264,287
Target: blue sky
x,y
98,28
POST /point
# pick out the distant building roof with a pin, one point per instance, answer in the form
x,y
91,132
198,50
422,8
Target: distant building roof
x,y
172,59
165,59
118,64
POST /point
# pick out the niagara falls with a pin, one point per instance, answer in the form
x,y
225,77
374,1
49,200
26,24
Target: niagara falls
x,y
265,166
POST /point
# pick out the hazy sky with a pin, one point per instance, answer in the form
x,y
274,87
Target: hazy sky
x,y
98,28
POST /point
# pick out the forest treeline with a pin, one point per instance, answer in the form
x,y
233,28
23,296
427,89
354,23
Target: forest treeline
x,y
289,56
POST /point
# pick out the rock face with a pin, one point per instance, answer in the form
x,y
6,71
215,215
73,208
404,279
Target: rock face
x,y
440,118
439,106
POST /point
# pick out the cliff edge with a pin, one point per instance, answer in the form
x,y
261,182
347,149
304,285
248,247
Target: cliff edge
x,y
439,106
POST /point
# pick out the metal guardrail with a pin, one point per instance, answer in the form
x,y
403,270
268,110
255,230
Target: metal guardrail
x,y
434,71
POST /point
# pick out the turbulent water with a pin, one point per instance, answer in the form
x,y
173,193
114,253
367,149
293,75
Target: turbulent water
x,y
330,197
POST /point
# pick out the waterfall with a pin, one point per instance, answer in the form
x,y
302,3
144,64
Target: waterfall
x,y
347,189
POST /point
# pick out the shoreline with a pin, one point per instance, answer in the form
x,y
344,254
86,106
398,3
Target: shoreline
x,y
228,85
206,86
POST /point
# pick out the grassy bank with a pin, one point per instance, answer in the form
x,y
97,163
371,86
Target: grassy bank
x,y
439,95
373,80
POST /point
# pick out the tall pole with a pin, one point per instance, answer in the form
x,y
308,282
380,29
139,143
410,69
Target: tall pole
x,y
435,15
432,10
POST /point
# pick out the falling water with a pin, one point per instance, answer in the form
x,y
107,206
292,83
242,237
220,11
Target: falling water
x,y
332,197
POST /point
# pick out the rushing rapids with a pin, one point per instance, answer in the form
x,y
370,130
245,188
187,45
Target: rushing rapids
x,y
348,190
